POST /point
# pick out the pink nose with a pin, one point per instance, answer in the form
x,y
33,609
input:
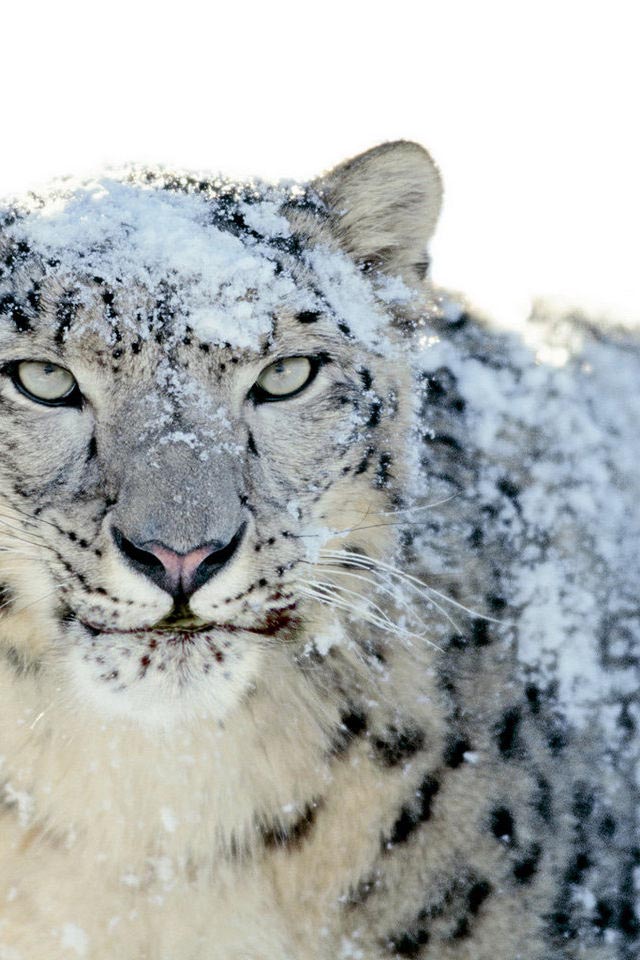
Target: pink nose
x,y
180,568
179,574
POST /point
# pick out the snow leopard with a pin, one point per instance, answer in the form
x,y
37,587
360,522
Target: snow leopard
x,y
318,589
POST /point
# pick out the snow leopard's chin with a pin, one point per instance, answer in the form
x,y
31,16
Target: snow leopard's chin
x,y
160,678
170,670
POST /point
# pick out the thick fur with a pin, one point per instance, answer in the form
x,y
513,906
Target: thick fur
x,y
342,764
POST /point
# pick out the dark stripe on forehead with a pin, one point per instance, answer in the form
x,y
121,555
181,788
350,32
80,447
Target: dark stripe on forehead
x,y
33,296
66,310
110,312
365,375
227,215
375,413
14,311
16,253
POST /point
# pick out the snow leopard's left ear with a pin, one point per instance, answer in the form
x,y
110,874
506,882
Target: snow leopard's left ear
x,y
384,206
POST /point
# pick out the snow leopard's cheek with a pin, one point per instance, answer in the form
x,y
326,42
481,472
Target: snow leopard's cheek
x,y
52,457
159,684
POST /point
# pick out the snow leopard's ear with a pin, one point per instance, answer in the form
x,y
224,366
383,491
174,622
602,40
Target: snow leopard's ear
x,y
384,206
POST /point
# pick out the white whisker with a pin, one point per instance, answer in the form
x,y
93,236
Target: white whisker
x,y
393,593
5,531
38,600
368,563
326,584
384,623
422,506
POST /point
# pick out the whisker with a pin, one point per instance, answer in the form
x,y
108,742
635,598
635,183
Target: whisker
x,y
353,593
363,561
349,609
30,543
371,526
19,553
386,513
421,506
371,583
32,603
7,528
426,598
384,624
31,519
393,594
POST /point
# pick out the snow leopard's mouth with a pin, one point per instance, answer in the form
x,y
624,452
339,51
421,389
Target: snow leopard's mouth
x,y
179,628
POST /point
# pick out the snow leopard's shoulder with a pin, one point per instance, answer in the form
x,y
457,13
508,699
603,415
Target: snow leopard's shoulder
x,y
528,451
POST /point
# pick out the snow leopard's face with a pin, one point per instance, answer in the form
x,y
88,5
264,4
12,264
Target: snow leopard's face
x,y
199,389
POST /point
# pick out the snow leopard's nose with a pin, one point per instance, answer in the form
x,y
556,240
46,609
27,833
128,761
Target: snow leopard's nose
x,y
179,574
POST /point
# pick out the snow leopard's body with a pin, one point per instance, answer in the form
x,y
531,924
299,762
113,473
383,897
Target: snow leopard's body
x,y
343,763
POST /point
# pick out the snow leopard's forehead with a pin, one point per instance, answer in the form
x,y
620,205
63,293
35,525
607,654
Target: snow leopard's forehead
x,y
172,256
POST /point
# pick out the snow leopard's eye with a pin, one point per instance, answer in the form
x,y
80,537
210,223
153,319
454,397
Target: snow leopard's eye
x,y
45,382
284,378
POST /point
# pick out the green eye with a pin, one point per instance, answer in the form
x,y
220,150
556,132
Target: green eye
x,y
44,382
284,378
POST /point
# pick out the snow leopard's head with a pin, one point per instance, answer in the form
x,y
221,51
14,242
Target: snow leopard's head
x,y
202,384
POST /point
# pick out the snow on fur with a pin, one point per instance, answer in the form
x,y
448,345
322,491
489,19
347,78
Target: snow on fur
x,y
559,410
228,287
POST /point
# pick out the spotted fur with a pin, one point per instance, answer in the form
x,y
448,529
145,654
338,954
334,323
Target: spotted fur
x,y
315,766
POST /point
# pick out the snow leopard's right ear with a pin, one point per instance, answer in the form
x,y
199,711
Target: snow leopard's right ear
x,y
384,206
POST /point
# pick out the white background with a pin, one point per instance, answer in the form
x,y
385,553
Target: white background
x,y
530,108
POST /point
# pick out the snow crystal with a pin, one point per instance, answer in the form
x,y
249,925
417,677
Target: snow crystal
x,y
392,290
22,800
349,950
168,818
265,218
583,897
179,436
163,871
332,636
315,539
130,880
74,938
8,953
294,510
351,298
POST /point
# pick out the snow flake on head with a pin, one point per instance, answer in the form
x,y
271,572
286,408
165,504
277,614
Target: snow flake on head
x,y
131,233
218,257
265,218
